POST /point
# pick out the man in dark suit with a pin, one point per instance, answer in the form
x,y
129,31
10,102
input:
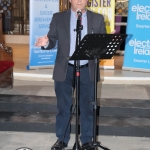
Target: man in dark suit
x,y
62,29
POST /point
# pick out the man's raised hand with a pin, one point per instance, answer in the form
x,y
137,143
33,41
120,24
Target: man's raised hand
x,y
41,41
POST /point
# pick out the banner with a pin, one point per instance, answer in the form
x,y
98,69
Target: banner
x,y
41,12
107,9
137,49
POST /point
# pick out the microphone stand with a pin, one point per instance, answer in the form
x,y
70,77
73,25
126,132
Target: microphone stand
x,y
76,79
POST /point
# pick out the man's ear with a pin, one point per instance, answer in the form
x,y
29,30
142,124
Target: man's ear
x,y
70,1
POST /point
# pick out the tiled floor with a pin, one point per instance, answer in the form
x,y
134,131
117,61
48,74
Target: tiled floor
x,y
43,141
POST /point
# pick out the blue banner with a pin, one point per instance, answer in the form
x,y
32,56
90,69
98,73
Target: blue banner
x,y
41,12
137,49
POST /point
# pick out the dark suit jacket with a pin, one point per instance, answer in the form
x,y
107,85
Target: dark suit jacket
x,y
60,30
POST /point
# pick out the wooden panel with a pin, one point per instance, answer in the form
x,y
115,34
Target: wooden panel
x,y
6,78
1,32
6,53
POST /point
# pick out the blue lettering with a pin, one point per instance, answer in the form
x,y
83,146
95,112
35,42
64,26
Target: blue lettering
x,y
43,25
46,13
42,19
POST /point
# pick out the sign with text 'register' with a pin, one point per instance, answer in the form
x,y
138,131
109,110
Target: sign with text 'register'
x,y
137,49
41,12
107,9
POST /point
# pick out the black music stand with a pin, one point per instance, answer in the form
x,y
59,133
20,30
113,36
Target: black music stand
x,y
95,47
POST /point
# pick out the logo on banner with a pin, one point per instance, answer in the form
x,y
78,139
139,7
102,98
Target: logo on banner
x,y
142,12
140,47
24,148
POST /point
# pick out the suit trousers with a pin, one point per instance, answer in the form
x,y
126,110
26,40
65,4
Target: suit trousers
x,y
63,92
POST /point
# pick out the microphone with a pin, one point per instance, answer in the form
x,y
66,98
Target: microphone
x,y
79,13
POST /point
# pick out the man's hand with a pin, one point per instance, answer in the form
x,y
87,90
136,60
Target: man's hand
x,y
42,41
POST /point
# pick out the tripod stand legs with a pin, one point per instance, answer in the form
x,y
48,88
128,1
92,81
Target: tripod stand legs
x,y
101,146
76,146
96,144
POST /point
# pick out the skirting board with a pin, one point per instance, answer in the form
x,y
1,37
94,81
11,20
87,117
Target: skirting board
x,y
16,39
107,67
135,69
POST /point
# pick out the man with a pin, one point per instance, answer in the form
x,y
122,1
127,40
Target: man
x,y
62,29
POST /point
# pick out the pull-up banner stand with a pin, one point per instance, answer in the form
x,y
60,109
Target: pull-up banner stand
x,y
41,13
107,9
137,49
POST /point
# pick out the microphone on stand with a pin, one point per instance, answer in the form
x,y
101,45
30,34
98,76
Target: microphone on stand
x,y
79,13
79,25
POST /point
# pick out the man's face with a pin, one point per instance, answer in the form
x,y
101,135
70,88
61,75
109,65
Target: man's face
x,y
78,4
